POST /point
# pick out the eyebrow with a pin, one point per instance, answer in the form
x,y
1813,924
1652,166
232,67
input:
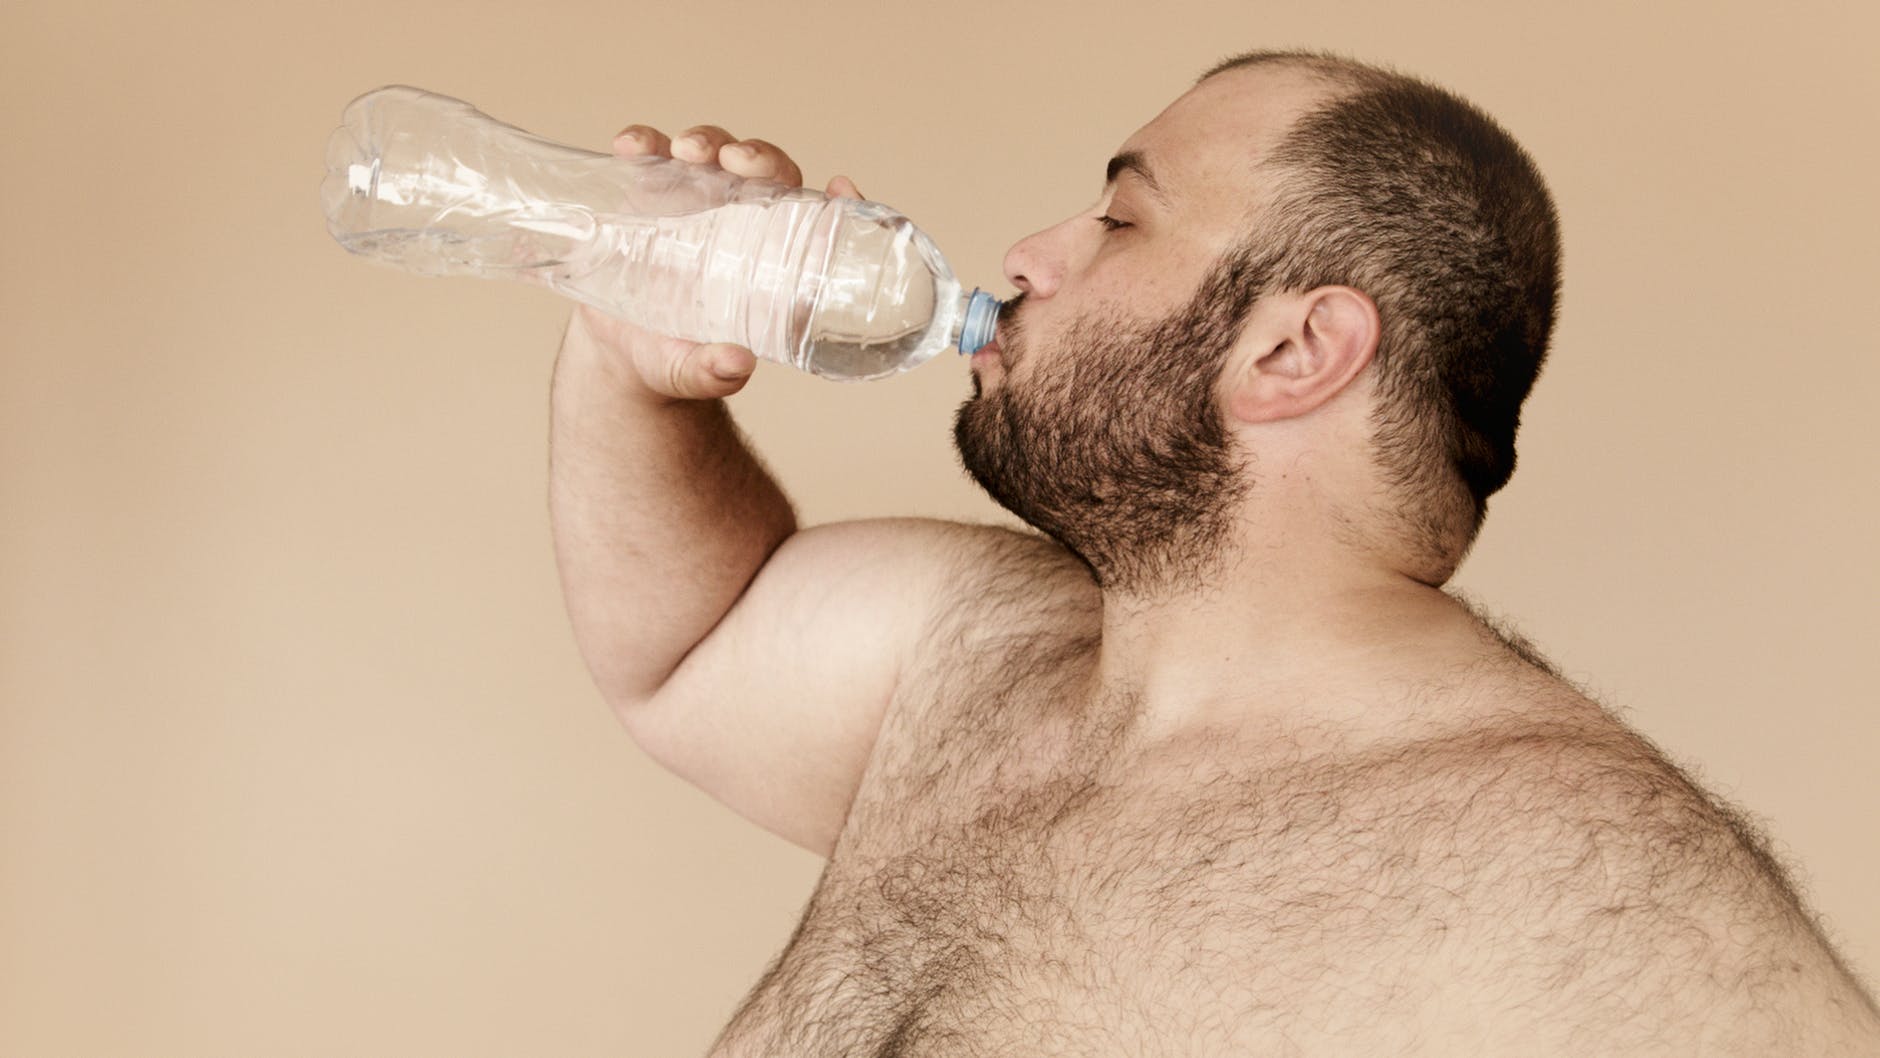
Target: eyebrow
x,y
1134,162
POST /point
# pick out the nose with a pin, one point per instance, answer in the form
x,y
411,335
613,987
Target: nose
x,y
1036,263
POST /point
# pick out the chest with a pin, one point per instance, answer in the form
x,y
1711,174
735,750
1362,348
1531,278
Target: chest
x,y
1016,877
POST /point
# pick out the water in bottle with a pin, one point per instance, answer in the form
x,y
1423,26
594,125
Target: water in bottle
x,y
840,287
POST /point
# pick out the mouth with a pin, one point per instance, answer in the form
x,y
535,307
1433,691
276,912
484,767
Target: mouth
x,y
986,353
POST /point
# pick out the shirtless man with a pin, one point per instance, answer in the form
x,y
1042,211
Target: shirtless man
x,y
1211,765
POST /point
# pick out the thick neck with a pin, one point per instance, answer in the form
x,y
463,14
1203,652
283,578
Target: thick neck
x,y
1298,628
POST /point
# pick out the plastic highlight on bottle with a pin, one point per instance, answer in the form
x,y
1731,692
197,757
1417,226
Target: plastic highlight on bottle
x,y
842,288
982,319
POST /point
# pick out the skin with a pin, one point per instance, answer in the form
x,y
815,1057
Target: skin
x,y
1285,593
1288,596
1079,750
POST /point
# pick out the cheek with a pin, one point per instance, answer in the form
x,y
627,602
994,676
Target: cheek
x,y
1119,285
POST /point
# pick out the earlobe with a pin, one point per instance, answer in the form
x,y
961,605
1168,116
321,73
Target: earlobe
x,y
1309,347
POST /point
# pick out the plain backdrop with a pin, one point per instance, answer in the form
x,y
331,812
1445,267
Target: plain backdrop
x,y
296,753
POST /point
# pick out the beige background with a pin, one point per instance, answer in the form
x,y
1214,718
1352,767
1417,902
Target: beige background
x,y
296,754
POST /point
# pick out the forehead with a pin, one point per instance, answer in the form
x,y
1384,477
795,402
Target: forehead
x,y
1207,145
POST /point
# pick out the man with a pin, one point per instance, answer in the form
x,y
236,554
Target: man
x,y
1213,766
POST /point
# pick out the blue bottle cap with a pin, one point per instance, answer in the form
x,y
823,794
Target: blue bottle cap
x,y
982,318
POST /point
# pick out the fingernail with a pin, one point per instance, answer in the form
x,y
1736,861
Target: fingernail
x,y
727,370
695,143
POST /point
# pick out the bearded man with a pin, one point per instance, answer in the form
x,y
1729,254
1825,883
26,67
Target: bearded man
x,y
1210,763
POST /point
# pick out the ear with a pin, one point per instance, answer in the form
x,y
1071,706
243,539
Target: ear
x,y
1306,348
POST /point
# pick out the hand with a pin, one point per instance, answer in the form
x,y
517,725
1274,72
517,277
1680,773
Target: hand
x,y
674,367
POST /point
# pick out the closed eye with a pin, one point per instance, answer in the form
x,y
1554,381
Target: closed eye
x,y
1111,223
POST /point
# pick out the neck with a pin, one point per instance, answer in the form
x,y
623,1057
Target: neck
x,y
1290,635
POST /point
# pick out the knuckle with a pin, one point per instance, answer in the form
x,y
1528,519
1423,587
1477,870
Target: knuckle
x,y
675,376
766,157
640,138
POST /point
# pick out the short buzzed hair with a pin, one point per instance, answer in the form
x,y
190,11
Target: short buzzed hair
x,y
1405,191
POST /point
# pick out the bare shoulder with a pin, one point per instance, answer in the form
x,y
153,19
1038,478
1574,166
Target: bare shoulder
x,y
972,589
966,554
1652,908
1013,615
999,582
777,711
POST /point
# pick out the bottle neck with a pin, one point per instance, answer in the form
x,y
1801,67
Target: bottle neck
x,y
979,320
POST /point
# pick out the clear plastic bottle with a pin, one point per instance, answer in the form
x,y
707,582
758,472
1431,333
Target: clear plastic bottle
x,y
839,287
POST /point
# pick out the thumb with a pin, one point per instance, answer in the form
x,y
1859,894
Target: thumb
x,y
718,370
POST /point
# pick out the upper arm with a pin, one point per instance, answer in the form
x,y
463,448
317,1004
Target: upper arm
x,y
775,711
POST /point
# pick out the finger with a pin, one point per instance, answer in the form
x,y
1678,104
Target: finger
x,y
718,370
701,143
762,160
842,187
636,140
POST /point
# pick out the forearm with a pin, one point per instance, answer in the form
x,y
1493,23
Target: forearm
x,y
661,517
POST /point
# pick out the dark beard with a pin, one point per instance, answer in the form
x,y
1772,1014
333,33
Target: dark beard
x,y
1116,447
